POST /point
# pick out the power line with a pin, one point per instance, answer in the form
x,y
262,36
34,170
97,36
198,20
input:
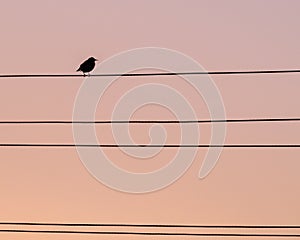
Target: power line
x,y
151,74
152,233
152,121
148,225
69,145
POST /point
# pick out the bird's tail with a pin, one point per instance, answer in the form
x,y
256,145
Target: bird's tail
x,y
78,70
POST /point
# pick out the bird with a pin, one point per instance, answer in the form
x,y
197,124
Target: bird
x,y
87,66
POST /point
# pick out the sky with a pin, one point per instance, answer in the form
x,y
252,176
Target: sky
x,y
247,186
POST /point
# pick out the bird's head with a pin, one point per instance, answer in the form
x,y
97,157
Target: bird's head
x,y
93,59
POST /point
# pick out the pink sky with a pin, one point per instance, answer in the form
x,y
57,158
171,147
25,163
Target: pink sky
x,y
248,186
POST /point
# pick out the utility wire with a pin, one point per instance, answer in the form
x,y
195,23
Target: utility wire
x,y
152,233
149,225
68,145
152,121
150,74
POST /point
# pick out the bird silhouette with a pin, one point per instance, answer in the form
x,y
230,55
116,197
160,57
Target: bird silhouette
x,y
87,65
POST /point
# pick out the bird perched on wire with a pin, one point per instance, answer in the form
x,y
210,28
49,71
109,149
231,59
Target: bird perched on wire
x,y
87,65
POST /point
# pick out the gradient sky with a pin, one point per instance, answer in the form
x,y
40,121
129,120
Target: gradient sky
x,y
248,186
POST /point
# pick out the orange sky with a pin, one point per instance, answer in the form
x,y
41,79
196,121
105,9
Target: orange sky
x,y
247,186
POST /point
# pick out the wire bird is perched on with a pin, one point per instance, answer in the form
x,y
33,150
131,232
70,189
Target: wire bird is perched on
x,y
87,65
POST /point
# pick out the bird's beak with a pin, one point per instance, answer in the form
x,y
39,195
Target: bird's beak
x,y
96,60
